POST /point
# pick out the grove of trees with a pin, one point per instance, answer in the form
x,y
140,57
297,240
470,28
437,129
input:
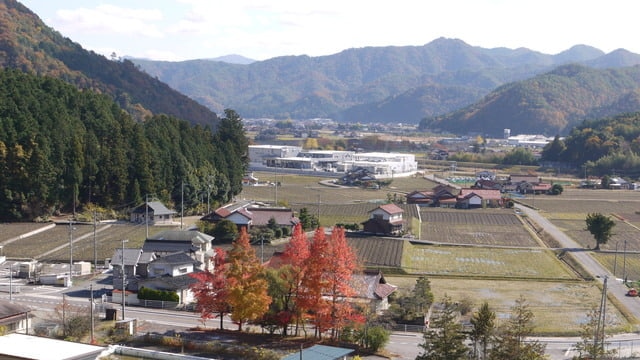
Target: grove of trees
x,y
291,291
61,148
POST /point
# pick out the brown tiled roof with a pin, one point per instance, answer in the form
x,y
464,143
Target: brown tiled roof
x,y
390,208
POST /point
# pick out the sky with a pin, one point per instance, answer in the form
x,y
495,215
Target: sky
x,y
177,30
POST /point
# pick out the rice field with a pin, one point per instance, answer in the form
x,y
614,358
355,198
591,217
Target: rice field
x,y
483,262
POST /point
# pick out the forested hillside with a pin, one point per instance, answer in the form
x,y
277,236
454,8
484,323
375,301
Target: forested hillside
x,y
27,44
551,103
61,148
606,146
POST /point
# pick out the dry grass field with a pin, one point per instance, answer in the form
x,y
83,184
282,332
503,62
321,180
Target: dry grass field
x,y
559,308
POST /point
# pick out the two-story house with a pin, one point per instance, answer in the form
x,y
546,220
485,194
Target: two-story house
x,y
385,220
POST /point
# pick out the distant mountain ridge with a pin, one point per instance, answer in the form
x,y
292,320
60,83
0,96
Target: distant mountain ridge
x,y
26,43
551,103
372,84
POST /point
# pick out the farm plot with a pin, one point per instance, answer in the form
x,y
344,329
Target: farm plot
x,y
107,241
478,227
623,264
306,190
472,261
576,229
33,246
559,308
378,252
14,230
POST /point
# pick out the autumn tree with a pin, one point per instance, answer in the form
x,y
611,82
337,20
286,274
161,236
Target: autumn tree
x,y
315,282
342,265
445,339
295,256
483,326
510,344
327,282
210,290
247,286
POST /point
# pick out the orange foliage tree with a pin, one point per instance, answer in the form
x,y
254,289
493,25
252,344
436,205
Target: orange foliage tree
x,y
247,286
210,290
326,284
292,272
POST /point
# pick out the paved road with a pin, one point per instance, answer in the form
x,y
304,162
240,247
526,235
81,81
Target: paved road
x,y
615,288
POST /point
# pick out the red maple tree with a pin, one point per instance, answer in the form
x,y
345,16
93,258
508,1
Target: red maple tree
x,y
210,290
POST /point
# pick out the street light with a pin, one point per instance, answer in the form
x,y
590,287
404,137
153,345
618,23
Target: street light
x,y
124,282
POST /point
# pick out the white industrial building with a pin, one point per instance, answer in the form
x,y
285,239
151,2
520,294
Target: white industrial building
x,y
292,157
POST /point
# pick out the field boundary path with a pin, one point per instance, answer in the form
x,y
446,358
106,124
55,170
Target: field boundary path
x,y
26,235
615,287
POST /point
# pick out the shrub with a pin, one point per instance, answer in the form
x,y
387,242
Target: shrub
x,y
162,295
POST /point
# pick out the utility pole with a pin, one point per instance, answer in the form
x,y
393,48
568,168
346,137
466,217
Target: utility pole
x,y
11,282
93,339
70,252
181,204
146,215
95,244
124,281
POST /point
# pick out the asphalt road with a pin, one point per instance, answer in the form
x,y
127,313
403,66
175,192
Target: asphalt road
x,y
615,287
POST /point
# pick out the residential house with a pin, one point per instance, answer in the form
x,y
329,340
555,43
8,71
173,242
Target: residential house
x,y
479,198
131,260
171,273
487,184
385,219
164,262
194,243
372,290
247,215
155,210
15,317
439,196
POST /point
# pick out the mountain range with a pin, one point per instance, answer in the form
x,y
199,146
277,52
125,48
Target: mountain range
x,y
446,85
441,82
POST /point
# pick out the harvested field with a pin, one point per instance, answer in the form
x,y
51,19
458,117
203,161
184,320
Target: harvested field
x,y
624,264
473,261
12,231
562,310
301,191
477,227
376,252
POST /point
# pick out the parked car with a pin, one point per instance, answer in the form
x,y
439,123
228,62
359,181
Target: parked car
x,y
632,292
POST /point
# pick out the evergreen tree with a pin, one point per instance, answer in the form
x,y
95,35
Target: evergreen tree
x,y
445,339
483,322
511,343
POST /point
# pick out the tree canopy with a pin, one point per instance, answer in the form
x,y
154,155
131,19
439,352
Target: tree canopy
x,y
601,227
60,147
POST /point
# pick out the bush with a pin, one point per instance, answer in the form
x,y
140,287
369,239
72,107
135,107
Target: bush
x,y
162,295
376,338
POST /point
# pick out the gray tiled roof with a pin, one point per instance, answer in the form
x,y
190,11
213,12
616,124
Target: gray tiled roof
x,y
157,207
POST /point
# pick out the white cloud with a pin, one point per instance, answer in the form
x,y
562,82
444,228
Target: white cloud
x,y
110,19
